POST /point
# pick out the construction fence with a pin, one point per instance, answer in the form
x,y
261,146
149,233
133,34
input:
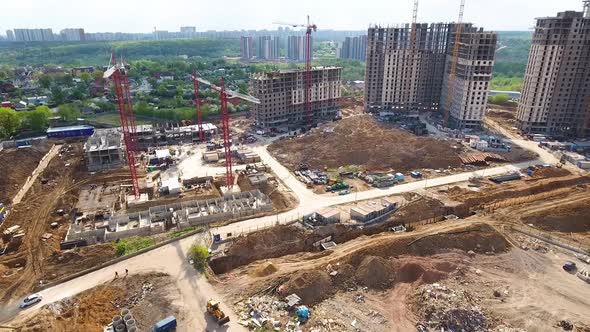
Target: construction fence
x,y
552,239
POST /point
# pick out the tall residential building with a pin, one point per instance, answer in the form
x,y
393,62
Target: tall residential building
x,y
247,47
9,35
555,97
72,34
282,96
33,35
296,48
469,99
401,79
188,30
268,48
354,48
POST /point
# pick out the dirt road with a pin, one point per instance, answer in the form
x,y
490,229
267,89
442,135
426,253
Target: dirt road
x,y
42,165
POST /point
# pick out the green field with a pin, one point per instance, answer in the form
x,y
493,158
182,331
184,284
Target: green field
x,y
113,119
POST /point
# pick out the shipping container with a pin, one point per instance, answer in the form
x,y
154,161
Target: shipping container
x,y
166,324
71,131
584,164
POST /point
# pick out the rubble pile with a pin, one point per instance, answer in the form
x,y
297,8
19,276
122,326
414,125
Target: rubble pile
x,y
136,298
449,309
258,311
527,243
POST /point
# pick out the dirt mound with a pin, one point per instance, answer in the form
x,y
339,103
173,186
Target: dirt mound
x,y
265,269
13,177
375,272
269,243
570,218
368,143
312,286
412,272
480,238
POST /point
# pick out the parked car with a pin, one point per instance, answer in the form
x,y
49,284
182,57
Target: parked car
x,y
569,266
30,300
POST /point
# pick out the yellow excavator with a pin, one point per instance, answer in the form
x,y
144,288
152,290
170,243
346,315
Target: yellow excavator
x,y
214,310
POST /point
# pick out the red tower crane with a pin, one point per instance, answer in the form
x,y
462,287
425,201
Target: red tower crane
x,y
198,105
119,75
309,29
223,97
133,131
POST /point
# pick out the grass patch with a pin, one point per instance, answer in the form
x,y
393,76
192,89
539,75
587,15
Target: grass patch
x,y
182,232
133,244
113,119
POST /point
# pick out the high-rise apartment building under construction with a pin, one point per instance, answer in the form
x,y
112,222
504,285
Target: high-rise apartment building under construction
x,y
403,78
282,96
556,93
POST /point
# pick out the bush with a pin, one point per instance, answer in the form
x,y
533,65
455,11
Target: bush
x,y
133,244
199,254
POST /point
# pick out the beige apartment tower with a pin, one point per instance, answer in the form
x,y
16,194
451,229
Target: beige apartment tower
x,y
556,92
282,96
400,78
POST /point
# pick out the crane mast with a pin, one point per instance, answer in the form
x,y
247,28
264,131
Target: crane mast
x,y
455,59
412,58
198,105
118,73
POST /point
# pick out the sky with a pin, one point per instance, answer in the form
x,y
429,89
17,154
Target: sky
x,y
144,15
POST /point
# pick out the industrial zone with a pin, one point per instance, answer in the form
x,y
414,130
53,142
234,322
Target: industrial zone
x,y
414,208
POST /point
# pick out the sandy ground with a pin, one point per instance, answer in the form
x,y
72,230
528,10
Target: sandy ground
x,y
17,165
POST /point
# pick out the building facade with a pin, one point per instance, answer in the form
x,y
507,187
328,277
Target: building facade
x,y
466,99
296,48
282,96
33,35
247,47
268,48
72,34
402,78
556,92
9,35
354,48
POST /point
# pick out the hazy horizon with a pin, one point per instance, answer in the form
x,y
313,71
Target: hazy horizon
x,y
136,16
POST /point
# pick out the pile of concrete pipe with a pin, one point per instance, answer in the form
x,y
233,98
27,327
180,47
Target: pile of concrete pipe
x,y
124,322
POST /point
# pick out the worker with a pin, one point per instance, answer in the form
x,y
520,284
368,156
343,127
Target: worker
x,y
126,272
116,274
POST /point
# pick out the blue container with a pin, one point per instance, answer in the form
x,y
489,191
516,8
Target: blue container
x,y
216,237
166,324
71,131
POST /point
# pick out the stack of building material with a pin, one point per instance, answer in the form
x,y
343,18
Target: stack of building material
x,y
210,156
481,158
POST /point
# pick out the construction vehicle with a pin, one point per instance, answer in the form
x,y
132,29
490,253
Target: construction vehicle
x,y
214,310
337,186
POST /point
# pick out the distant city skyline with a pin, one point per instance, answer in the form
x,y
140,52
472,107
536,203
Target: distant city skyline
x,y
140,16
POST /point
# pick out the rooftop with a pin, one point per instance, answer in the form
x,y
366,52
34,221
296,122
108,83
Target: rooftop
x,y
68,128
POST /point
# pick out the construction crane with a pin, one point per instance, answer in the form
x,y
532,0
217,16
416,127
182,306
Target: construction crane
x,y
134,142
118,73
309,29
198,105
455,59
413,62
224,95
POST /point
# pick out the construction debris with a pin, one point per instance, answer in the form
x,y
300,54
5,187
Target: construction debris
x,y
481,158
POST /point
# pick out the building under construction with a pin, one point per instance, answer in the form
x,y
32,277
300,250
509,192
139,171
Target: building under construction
x,y
403,78
282,96
555,96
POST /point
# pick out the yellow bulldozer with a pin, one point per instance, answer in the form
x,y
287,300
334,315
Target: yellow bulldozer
x,y
214,310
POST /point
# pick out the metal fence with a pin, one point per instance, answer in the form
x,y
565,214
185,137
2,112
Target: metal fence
x,y
552,239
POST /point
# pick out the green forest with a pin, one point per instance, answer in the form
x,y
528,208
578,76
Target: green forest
x,y
98,53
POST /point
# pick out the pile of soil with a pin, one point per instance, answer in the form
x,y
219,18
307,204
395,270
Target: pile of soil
x,y
17,165
550,172
411,272
311,286
268,243
265,269
571,218
361,140
375,272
